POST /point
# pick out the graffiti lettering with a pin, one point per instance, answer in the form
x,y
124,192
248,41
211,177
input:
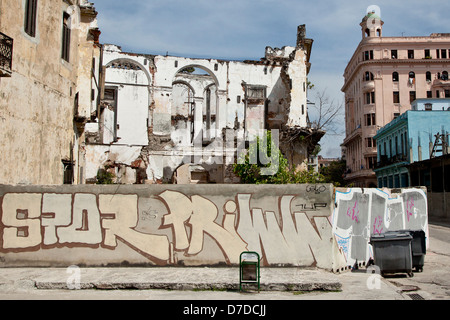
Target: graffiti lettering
x,y
200,213
377,226
311,207
409,208
316,188
353,212
36,221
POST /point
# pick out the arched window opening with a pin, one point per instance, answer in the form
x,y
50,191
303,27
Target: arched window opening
x,y
395,77
412,78
194,108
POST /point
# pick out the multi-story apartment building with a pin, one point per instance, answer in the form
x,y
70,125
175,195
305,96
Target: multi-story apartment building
x,y
384,76
48,51
410,139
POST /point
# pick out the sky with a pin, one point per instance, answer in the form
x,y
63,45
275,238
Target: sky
x,y
241,30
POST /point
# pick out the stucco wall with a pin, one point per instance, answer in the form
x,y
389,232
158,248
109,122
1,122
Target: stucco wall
x,y
37,102
288,225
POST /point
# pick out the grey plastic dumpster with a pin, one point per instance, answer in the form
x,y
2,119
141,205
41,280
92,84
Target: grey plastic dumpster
x,y
392,252
418,248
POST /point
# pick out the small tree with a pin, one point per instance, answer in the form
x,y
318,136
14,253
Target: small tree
x,y
325,114
250,173
105,177
334,173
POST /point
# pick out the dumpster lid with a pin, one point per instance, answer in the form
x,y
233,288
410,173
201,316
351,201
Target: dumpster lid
x,y
391,236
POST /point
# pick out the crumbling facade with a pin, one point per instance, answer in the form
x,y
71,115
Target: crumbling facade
x,y
48,55
167,119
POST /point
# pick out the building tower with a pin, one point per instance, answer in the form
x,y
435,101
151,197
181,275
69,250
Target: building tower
x,y
372,25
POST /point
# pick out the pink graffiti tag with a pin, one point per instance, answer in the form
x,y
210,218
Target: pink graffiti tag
x,y
377,224
353,212
409,208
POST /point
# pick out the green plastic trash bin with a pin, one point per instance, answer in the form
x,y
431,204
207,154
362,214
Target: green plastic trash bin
x,y
249,269
392,252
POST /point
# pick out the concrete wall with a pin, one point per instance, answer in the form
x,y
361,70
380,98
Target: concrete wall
x,y
360,213
439,206
295,225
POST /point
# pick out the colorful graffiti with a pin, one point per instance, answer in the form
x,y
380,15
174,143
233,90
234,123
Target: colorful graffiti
x,y
171,225
360,213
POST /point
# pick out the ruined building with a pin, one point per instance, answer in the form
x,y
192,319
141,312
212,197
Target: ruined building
x,y
48,49
72,109
167,119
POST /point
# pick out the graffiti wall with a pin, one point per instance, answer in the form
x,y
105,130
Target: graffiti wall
x,y
166,225
360,213
194,225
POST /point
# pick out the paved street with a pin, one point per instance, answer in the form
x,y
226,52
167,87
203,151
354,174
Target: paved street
x,y
50,284
434,282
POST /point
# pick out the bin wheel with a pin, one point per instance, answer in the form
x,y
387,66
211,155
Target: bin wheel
x,y
410,274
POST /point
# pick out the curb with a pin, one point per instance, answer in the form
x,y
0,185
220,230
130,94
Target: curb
x,y
196,279
289,287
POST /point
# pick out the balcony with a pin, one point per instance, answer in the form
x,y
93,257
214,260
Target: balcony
x,y
6,52
368,86
385,161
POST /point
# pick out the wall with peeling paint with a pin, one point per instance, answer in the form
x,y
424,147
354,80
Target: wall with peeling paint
x,y
289,225
46,100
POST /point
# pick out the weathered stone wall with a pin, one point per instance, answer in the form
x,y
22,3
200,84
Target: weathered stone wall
x,y
39,101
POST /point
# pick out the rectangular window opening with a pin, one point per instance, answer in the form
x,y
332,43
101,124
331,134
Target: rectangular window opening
x,y
65,54
68,171
412,96
394,54
396,97
30,17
